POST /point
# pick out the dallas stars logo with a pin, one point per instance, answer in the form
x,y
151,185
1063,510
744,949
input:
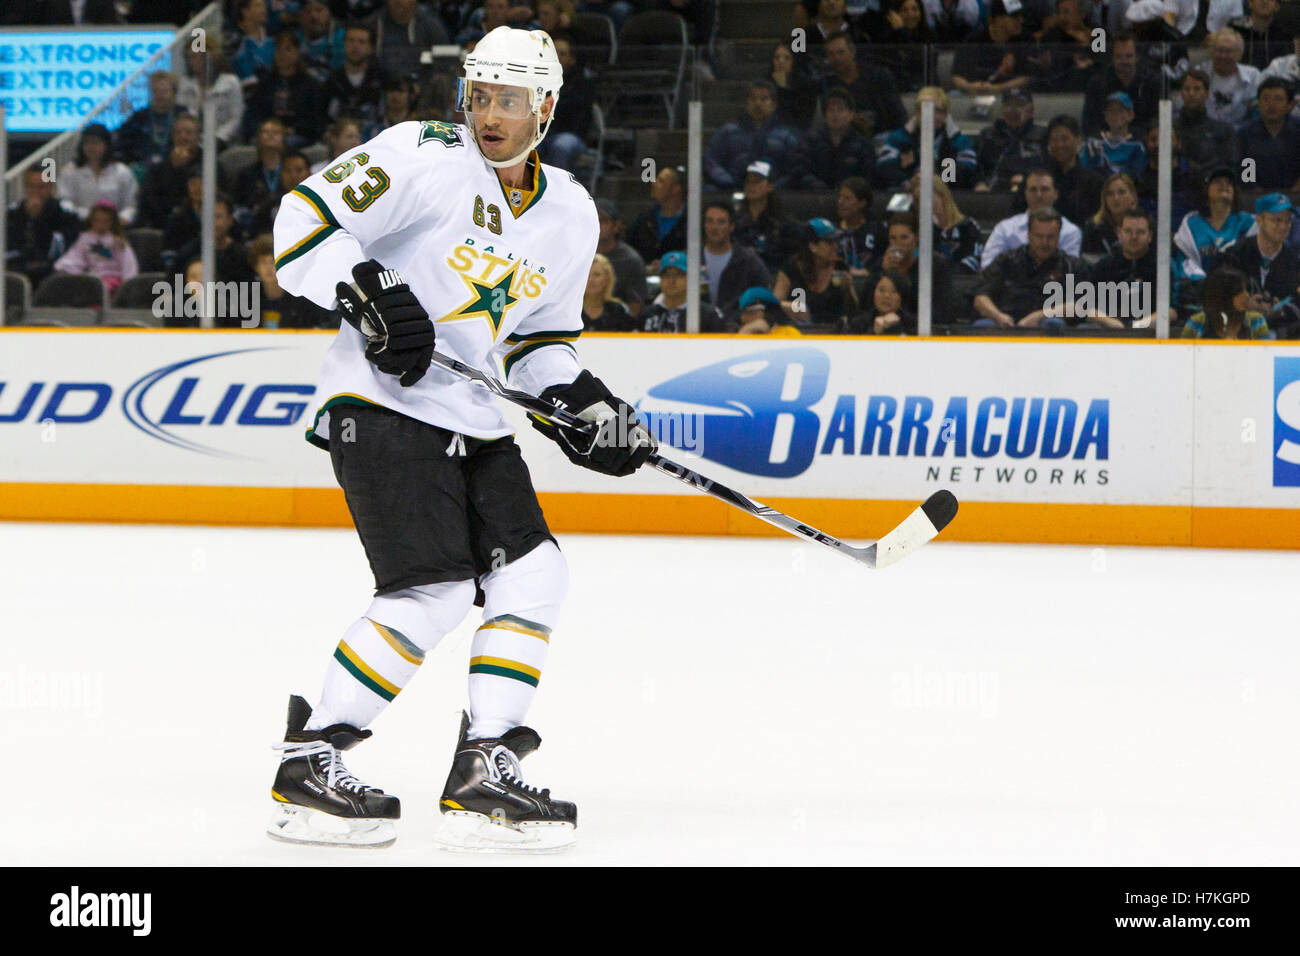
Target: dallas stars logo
x,y
490,300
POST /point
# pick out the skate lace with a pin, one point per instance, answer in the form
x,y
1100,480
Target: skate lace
x,y
508,769
328,761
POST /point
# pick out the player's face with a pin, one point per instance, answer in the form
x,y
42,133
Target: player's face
x,y
502,119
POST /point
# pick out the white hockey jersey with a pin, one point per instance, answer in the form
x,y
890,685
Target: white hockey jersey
x,y
501,272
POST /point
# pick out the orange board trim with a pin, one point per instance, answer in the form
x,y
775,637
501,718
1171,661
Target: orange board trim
x,y
676,514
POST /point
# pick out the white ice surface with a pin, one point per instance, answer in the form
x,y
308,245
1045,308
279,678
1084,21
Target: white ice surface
x,y
705,701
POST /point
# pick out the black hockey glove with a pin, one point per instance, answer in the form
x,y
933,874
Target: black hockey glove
x,y
381,306
619,444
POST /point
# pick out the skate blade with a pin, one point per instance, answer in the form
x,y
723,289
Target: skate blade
x,y
303,825
465,832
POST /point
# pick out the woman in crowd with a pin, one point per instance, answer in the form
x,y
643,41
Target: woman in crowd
x,y
812,286
97,177
1227,313
1101,232
905,22
1205,233
957,237
796,87
343,134
601,312
102,250
862,242
886,295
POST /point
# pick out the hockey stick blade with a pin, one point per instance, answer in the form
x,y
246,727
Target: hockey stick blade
x,y
919,527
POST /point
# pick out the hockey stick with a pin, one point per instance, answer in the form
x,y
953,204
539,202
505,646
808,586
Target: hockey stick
x,y
920,526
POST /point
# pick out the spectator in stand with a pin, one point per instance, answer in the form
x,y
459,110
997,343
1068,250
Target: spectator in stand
x,y
67,13
185,221
1270,262
405,31
1194,20
1078,189
1183,180
231,255
862,242
343,136
1012,145
663,226
321,39
398,105
629,267
903,255
294,168
357,87
37,230
759,222
163,188
898,159
1232,83
566,142
838,151
1116,150
906,27
1272,140
875,94
601,311
758,134
1263,39
258,187
812,286
1159,44
886,297
143,139
1204,234
729,268
1070,40
1101,231
255,49
1010,292
830,20
796,87
1288,68
485,19
288,93
555,16
758,312
225,89
95,176
1132,261
1125,74
1013,232
667,313
280,309
992,58
957,237
1228,312
1207,142
101,250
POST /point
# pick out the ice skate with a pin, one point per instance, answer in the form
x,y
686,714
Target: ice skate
x,y
487,807
317,800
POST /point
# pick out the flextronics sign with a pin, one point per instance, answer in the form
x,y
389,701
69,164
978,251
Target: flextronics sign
x,y
773,413
50,80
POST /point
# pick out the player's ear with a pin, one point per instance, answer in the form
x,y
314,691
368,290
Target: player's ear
x,y
548,107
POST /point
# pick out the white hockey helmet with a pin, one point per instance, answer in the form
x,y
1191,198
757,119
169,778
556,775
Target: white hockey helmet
x,y
511,57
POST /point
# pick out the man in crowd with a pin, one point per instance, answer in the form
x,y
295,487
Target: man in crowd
x,y
1078,189
146,136
1124,74
1011,292
729,268
1271,262
38,230
838,151
1232,83
164,186
290,94
1272,139
874,92
357,87
1013,232
991,59
1011,145
1207,142
663,226
757,134
759,222
1134,261
405,32
629,267
667,313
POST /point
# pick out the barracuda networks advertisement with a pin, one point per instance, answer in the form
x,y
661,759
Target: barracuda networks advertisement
x,y
50,79
1110,423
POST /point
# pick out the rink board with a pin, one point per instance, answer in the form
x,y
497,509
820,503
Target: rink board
x,y
1132,442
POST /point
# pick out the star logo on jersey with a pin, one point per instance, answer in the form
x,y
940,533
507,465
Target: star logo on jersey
x,y
490,300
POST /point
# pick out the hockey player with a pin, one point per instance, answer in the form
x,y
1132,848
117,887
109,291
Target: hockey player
x,y
466,223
